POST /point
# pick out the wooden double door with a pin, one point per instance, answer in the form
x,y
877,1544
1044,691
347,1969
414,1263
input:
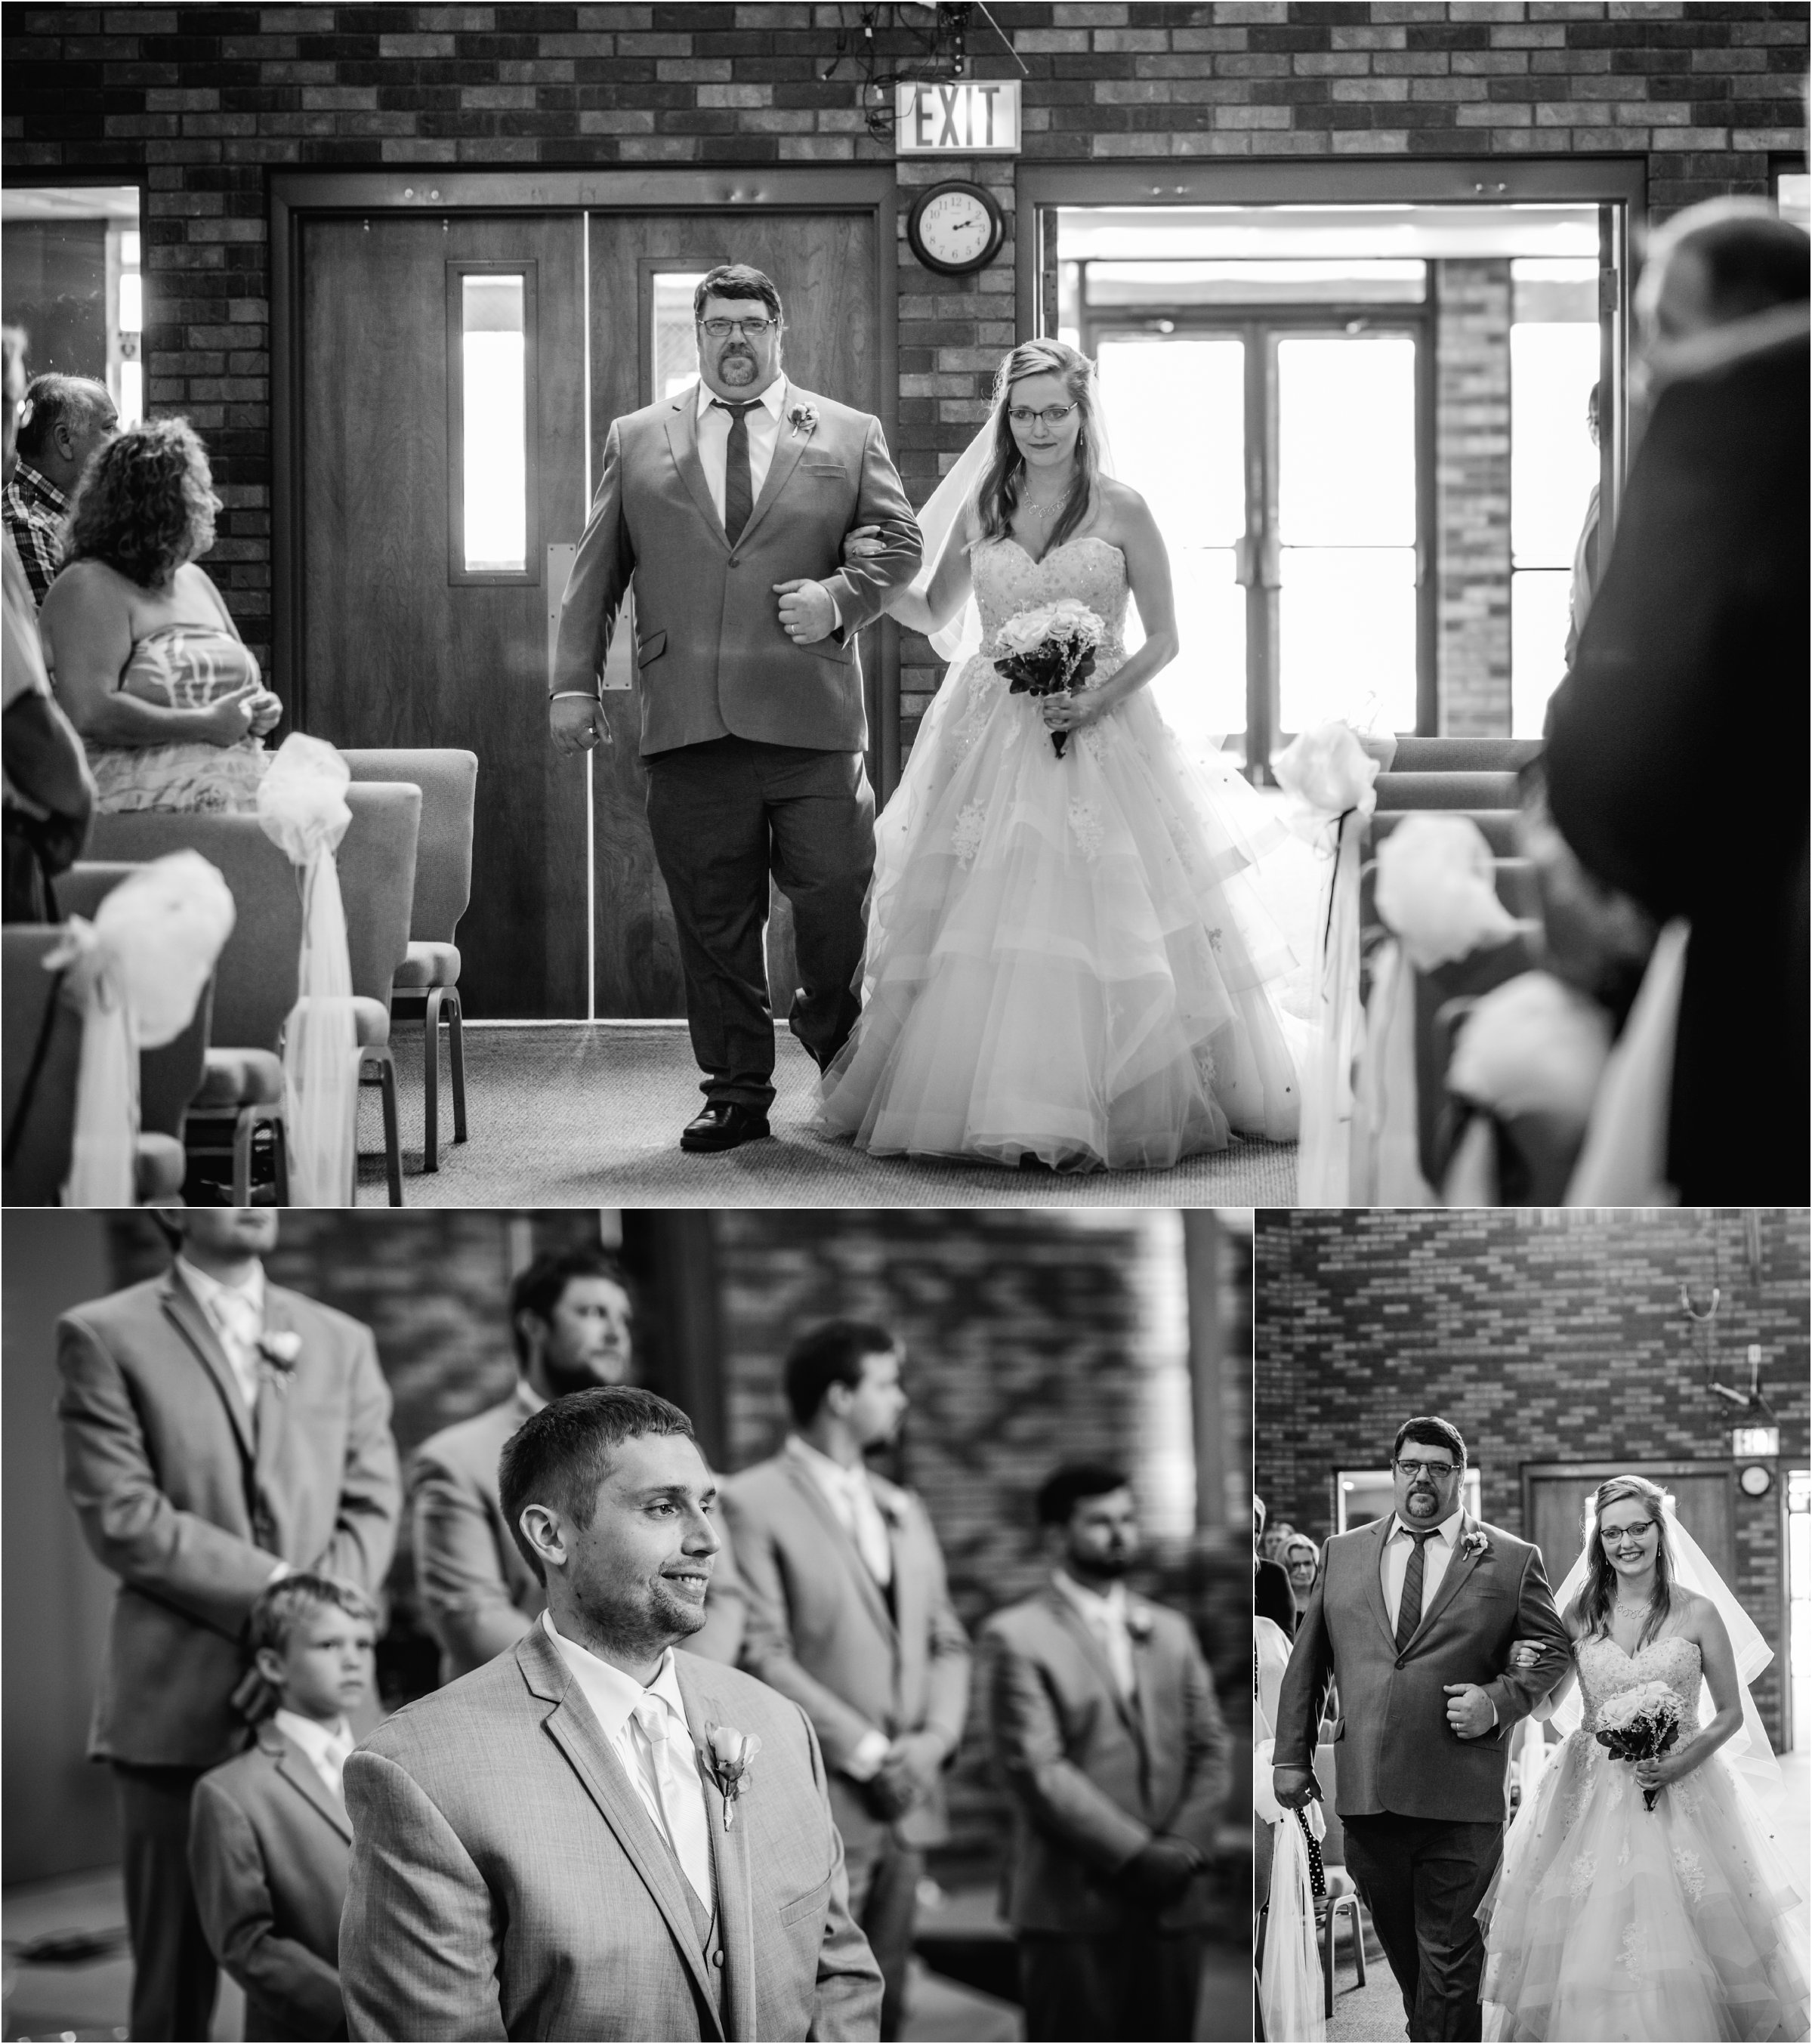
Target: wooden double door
x,y
408,621
1554,1495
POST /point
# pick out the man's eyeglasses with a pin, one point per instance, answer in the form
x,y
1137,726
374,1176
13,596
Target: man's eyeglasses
x,y
1053,414
752,329
1440,1471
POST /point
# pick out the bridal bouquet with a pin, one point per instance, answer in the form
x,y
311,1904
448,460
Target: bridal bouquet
x,y
1049,651
1640,1724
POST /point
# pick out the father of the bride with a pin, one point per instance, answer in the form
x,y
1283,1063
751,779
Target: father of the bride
x,y
1413,1618
592,1836
728,504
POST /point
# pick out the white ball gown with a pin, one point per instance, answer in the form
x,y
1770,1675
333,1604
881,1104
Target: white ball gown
x,y
1607,1920
1063,955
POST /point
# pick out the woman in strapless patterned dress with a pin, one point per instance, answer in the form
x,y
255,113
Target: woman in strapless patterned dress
x,y
1608,1918
1066,964
143,654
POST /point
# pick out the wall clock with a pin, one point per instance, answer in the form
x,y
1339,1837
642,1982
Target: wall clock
x,y
1756,1480
955,227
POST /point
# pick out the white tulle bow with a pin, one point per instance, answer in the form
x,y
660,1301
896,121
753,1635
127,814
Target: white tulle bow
x,y
1532,1046
302,807
1328,773
1436,889
135,973
1290,1994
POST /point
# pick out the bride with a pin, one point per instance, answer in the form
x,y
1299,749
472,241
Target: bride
x,y
1062,966
1607,1920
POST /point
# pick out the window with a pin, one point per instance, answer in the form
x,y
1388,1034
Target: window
x,y
673,345
74,283
491,406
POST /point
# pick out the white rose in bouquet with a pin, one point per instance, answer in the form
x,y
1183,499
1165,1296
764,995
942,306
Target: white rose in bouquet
x,y
1071,618
1028,628
1624,1707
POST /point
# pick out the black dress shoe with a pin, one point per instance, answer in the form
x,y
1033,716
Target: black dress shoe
x,y
722,1126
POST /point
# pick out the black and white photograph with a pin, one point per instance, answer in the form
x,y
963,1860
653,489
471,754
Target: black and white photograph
x,y
365,1581
906,605
1535,1584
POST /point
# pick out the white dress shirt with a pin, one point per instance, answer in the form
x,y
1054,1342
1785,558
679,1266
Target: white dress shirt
x,y
236,1312
1105,1616
763,424
327,1746
664,1771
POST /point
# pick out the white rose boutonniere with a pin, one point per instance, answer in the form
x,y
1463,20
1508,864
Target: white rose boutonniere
x,y
728,1752
1138,1623
803,420
279,1352
1474,1545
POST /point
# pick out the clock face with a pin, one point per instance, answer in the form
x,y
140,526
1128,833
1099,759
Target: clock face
x,y
955,228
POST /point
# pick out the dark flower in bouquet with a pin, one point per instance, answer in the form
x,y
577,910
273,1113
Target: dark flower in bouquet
x,y
1049,651
1640,1724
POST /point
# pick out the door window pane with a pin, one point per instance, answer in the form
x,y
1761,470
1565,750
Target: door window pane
x,y
1175,408
1346,525
1538,607
674,345
1553,472
495,424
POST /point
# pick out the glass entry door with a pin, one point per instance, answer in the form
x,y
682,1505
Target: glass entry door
x,y
1280,458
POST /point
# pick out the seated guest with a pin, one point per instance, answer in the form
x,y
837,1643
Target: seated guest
x,y
270,1841
48,795
1271,1595
65,419
570,1317
1698,628
1107,1736
1302,1564
142,651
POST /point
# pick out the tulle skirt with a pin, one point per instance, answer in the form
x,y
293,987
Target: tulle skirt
x,y
1609,1920
1065,958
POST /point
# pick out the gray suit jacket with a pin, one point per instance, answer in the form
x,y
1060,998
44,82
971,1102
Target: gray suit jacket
x,y
711,657
178,1501
1395,1750
820,1630
269,1847
478,1596
507,1880
1093,1777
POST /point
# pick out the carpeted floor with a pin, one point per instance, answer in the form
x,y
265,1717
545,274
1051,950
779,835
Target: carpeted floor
x,y
579,1114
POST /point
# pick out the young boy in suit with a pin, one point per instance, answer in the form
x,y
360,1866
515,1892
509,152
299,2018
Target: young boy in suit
x,y
270,1842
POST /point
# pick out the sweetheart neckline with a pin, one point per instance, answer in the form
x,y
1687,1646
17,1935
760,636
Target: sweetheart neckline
x,y
1081,539
1633,1659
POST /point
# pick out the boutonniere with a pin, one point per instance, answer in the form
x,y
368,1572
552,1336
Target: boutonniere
x,y
728,1752
803,420
279,1351
1138,1623
892,1509
1474,1545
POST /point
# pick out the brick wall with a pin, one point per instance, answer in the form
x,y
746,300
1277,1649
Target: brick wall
x,y
1472,455
201,102
1552,1336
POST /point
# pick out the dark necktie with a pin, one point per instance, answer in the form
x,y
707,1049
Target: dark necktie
x,y
739,494
1409,1611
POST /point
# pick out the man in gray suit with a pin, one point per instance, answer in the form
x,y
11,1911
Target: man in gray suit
x,y
218,1432
572,1319
592,1837
1106,1735
849,1615
1414,1617
728,505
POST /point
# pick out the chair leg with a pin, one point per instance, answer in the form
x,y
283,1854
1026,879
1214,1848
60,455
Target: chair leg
x,y
1358,1941
456,1048
430,1079
242,1128
393,1141
1327,1962
280,1152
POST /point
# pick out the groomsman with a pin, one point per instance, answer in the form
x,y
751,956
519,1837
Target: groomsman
x,y
1106,1733
849,1616
218,1432
592,1836
572,1320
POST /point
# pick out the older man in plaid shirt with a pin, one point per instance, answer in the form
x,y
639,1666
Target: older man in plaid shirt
x,y
64,420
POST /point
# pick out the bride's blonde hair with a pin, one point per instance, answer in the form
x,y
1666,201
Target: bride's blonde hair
x,y
1591,1607
998,493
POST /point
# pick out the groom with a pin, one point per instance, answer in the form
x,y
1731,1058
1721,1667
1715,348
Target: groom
x,y
566,1842
1413,1618
728,505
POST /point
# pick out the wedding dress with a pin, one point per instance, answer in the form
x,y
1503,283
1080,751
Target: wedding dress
x,y
1607,1919
1064,956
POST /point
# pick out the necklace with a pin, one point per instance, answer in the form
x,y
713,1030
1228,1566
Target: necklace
x,y
1030,503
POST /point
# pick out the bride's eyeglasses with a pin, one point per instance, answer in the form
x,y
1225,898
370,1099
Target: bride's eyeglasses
x,y
752,329
1053,414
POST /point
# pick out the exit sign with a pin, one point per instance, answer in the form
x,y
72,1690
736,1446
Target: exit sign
x,y
1746,1441
973,117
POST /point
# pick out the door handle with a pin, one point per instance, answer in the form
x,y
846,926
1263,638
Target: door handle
x,y
1256,562
1242,563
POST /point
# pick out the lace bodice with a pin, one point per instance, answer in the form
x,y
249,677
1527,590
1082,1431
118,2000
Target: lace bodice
x,y
1605,1671
1007,580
